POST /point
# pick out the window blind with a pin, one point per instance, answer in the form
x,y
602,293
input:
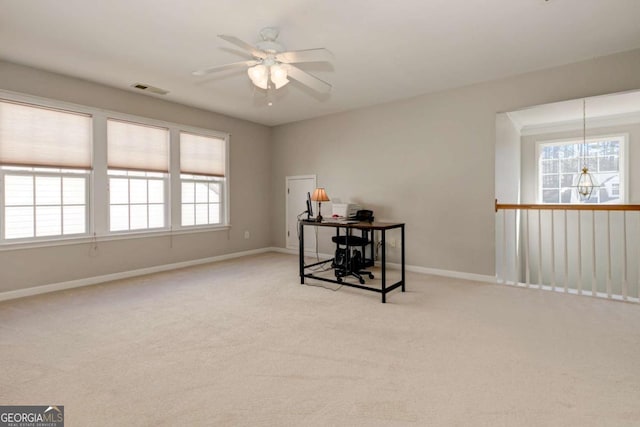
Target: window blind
x,y
38,136
134,146
202,155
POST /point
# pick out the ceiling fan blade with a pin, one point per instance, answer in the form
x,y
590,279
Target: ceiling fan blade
x,y
210,70
308,80
244,45
306,55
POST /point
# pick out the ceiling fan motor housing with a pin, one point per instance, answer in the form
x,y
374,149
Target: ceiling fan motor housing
x,y
268,43
270,46
269,33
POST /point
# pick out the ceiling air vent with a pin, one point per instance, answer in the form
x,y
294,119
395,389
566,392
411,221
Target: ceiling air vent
x,y
149,88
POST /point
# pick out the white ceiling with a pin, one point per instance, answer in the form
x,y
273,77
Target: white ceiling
x,y
383,50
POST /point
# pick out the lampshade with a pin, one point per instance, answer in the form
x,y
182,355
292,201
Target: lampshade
x,y
279,75
259,76
319,195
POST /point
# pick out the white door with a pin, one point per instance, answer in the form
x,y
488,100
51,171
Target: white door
x,y
297,188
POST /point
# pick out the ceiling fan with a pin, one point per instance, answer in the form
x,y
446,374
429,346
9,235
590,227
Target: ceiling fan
x,y
272,66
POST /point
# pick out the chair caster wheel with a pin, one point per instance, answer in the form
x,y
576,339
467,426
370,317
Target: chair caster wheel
x,y
339,279
371,276
362,281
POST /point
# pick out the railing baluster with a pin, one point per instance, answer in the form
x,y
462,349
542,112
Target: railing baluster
x,y
516,257
579,253
540,249
566,254
526,251
593,254
625,284
504,248
553,251
608,254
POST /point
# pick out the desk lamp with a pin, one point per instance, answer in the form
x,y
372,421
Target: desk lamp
x,y
319,195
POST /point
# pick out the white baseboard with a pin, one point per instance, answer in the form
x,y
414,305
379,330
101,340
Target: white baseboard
x,y
449,273
311,254
560,289
36,290
413,268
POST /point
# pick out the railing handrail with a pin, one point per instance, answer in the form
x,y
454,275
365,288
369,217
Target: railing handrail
x,y
565,207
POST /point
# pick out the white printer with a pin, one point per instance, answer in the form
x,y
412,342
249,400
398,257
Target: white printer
x,y
345,210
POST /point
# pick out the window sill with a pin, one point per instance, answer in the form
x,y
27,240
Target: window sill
x,y
110,237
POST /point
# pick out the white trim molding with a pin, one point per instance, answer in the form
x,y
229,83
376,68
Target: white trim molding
x,y
413,268
448,273
36,290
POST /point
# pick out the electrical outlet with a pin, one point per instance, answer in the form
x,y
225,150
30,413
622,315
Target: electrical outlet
x,y
247,234
392,243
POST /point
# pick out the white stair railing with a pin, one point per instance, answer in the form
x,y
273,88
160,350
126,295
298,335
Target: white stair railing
x,y
554,247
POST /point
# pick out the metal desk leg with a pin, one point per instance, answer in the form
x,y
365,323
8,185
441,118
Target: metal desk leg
x,y
301,251
384,267
402,236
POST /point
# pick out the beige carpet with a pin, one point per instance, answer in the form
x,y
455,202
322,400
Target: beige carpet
x,y
243,343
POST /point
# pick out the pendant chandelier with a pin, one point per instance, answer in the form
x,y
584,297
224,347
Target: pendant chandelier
x,y
585,183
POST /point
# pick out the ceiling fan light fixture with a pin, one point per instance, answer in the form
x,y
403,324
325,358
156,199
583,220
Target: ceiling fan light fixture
x,y
258,73
262,84
280,83
279,75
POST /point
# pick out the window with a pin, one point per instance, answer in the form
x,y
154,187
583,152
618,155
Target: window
x,y
68,171
560,163
136,200
201,200
202,174
615,189
41,202
45,164
138,170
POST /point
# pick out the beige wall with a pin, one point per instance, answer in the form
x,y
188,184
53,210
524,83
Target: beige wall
x,y
249,193
429,161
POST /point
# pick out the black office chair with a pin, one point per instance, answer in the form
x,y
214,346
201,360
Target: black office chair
x,y
348,260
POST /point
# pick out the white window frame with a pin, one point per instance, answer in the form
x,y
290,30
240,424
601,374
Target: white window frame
x,y
195,179
98,182
123,174
177,193
35,172
623,161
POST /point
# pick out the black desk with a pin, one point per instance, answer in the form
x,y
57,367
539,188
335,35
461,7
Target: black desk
x,y
368,226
